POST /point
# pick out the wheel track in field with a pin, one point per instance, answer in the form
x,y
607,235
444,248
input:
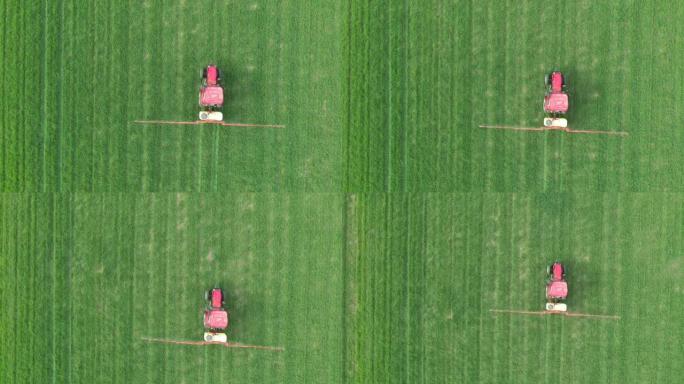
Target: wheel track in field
x,y
618,284
3,85
607,253
170,224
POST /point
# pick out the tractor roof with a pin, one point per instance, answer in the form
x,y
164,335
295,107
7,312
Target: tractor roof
x,y
211,95
556,103
557,290
216,319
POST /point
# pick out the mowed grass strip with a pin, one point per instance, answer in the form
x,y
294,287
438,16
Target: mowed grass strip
x,y
76,74
425,270
86,277
423,77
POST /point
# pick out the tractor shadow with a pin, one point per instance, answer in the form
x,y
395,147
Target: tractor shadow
x,y
581,279
585,92
238,85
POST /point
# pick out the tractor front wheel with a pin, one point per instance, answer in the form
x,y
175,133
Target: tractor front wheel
x,y
547,79
207,295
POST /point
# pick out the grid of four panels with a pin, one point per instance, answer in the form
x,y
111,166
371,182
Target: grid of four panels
x,y
341,192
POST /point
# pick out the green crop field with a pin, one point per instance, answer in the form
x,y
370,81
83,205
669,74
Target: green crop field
x,y
76,73
372,235
425,269
87,276
423,77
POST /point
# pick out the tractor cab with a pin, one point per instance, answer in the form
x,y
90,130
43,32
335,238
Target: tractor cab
x,y
211,96
216,319
557,81
211,75
216,298
557,290
556,103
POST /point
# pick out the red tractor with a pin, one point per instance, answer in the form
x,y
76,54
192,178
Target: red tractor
x,y
556,288
215,317
555,100
211,94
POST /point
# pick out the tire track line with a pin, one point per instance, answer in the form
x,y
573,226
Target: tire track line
x,y
149,224
171,214
97,284
526,321
124,93
424,285
53,252
384,321
20,147
348,281
60,100
186,262
144,156
349,104
5,281
4,99
467,310
608,249
483,246
380,318
523,62
266,329
404,210
365,106
213,134
179,17
437,73
605,249
624,206
388,174
9,279
499,277
407,64
455,155
16,295
69,311
661,346
511,283
44,96
119,314
91,117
